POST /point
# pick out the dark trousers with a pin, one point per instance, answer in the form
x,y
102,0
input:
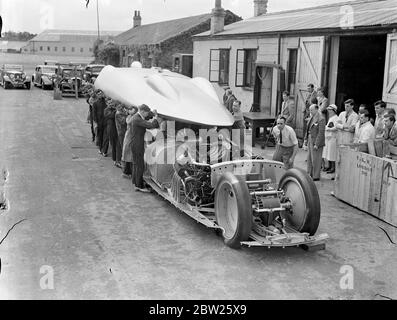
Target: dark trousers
x,y
105,140
138,167
127,168
283,154
112,138
99,135
306,114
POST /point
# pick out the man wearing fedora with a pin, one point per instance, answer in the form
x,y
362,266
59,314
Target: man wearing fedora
x,y
139,126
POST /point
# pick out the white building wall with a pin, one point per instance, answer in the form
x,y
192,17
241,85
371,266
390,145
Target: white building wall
x,y
267,52
86,47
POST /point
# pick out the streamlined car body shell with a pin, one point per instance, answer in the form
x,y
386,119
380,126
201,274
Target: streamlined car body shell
x,y
174,96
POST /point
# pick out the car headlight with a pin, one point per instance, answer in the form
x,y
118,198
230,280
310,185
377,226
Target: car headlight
x,y
11,76
24,75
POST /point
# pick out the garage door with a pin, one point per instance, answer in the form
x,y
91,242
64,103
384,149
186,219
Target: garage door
x,y
390,80
310,70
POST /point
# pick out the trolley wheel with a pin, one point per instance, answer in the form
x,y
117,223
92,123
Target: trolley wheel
x,y
300,189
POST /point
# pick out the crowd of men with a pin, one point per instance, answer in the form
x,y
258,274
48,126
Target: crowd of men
x,y
123,128
321,124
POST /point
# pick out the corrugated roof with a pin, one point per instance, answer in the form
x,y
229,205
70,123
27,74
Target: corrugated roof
x,y
336,16
158,32
71,35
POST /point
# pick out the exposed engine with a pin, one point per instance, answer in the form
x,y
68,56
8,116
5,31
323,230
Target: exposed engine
x,y
196,183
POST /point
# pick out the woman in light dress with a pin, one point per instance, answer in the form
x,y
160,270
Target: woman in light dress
x,y
329,152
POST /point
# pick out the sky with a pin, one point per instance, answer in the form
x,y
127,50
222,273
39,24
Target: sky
x,y
117,15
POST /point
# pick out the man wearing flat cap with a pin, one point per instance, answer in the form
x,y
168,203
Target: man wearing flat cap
x,y
139,126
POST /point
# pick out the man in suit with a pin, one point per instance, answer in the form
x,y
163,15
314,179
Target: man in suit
x,y
315,140
310,99
98,109
229,100
288,109
139,126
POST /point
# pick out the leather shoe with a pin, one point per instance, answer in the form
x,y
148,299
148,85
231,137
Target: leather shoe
x,y
144,190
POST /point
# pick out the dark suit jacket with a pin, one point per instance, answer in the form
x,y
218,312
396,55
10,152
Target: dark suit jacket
x,y
139,127
99,107
316,127
229,102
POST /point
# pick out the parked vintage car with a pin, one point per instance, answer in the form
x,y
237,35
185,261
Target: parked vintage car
x,y
207,173
44,76
91,72
13,76
69,80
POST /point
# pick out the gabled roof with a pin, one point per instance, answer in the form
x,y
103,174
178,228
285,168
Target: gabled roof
x,y
335,16
52,35
156,33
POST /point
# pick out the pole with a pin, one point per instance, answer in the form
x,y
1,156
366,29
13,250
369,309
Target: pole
x,y
97,17
76,89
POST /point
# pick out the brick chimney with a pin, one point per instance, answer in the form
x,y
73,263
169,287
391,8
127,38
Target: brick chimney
x,y
217,18
260,7
137,19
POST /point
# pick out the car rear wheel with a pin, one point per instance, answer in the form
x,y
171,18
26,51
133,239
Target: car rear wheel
x,y
301,191
233,209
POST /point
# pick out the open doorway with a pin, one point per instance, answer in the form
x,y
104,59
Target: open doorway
x,y
263,90
361,69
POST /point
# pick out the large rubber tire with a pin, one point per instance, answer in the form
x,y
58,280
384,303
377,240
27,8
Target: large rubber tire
x,y
6,85
300,189
233,209
28,85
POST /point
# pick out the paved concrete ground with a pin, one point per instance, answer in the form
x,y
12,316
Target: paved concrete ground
x,y
103,241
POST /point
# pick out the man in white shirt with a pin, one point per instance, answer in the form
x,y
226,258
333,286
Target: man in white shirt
x,y
347,122
380,108
287,143
364,130
348,118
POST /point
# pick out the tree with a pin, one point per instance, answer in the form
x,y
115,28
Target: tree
x,y
109,54
18,36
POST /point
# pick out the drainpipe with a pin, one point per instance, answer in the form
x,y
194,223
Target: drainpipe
x,y
279,93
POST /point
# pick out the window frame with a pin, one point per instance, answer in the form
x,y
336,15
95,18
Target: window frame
x,y
242,79
288,73
217,65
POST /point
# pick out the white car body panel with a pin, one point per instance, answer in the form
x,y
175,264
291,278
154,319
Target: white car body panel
x,y
174,96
